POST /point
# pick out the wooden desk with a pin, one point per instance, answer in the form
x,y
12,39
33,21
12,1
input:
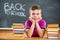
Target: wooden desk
x,y
8,35
18,38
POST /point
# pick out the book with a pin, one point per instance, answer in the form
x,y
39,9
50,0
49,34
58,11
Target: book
x,y
17,26
53,35
52,29
18,31
19,34
23,35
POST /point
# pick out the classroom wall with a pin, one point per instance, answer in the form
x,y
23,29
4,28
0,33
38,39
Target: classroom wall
x,y
17,11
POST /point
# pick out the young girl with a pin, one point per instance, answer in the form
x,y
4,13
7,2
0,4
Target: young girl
x,y
35,25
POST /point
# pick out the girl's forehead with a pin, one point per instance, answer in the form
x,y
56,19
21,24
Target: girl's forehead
x,y
35,11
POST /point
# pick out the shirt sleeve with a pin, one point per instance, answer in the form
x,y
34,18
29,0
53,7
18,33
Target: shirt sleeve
x,y
27,25
43,24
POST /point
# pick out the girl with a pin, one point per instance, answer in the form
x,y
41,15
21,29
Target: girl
x,y
35,25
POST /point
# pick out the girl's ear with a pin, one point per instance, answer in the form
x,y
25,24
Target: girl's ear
x,y
41,17
29,17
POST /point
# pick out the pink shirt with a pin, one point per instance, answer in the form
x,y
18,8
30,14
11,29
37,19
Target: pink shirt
x,y
42,24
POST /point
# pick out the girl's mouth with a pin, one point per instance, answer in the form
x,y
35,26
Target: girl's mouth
x,y
35,18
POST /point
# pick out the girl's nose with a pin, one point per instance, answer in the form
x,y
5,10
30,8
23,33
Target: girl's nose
x,y
35,15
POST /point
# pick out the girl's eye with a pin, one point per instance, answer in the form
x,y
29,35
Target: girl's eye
x,y
33,13
37,13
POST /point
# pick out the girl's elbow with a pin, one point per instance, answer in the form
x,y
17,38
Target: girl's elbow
x,y
41,36
29,36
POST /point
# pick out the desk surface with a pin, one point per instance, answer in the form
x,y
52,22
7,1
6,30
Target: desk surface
x,y
18,38
8,35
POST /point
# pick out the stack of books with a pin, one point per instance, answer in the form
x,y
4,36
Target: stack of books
x,y
52,31
18,30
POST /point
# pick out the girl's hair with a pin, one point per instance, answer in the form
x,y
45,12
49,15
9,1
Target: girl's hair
x,y
34,7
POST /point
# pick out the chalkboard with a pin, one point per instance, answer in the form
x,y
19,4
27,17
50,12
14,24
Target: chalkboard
x,y
17,11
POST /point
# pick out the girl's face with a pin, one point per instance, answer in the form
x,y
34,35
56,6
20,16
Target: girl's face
x,y
35,14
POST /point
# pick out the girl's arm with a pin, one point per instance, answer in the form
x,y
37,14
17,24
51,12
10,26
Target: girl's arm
x,y
40,31
29,32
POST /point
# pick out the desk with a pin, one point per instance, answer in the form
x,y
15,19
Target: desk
x,y
8,35
32,38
